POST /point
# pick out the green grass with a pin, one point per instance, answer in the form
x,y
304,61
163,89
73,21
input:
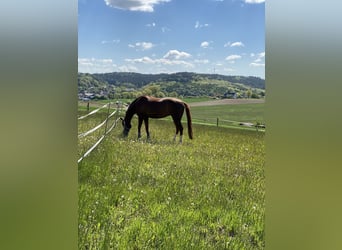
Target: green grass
x,y
206,193
238,112
196,99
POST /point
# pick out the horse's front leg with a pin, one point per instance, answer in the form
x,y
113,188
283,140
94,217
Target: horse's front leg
x,y
174,138
146,127
140,120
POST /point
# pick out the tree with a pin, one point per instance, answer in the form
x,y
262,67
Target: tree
x,y
249,93
173,94
160,94
255,95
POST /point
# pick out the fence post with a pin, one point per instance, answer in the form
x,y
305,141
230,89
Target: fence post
x,y
107,118
88,106
217,122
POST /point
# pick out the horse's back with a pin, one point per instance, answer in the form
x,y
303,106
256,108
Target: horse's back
x,y
172,99
159,107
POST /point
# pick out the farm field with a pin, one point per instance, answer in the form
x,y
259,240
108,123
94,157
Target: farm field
x,y
240,112
206,193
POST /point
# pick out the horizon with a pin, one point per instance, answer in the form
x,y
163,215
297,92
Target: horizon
x,y
169,73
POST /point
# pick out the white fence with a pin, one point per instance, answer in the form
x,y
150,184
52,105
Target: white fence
x,y
108,127
218,122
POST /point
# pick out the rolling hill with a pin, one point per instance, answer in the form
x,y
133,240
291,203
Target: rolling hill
x,y
128,84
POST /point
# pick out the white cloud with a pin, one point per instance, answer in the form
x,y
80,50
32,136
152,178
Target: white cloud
x,y
254,1
258,62
127,68
175,62
172,57
142,45
165,29
135,5
201,61
254,64
151,25
160,61
110,41
235,44
107,61
261,55
92,65
93,61
198,25
145,45
205,44
233,57
144,59
176,55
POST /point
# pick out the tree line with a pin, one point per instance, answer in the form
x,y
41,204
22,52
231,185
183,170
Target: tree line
x,y
184,84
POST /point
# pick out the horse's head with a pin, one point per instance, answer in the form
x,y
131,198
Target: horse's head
x,y
126,126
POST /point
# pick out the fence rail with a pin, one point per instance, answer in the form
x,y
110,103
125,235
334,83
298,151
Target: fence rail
x,y
92,112
229,123
105,122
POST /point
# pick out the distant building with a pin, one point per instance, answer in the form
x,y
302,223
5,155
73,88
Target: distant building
x,y
230,95
86,96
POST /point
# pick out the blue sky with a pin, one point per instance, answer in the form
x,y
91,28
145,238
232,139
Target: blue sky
x,y
165,36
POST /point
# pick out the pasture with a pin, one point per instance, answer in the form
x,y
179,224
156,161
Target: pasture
x,y
206,193
252,113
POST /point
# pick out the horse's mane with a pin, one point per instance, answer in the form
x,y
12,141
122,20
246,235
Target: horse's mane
x,y
152,98
137,99
131,105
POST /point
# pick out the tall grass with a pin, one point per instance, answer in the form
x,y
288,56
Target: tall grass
x,y
206,193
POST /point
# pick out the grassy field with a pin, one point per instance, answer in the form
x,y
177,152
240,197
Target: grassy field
x,y
206,193
242,113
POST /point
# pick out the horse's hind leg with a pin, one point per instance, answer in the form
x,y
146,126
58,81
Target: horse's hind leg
x,y
179,128
146,127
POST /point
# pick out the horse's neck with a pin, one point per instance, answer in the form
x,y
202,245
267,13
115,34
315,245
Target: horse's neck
x,y
132,108
129,114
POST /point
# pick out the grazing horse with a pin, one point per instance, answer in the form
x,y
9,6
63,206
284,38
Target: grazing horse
x,y
150,107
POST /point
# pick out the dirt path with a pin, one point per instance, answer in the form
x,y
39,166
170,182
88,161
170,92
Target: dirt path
x,y
226,101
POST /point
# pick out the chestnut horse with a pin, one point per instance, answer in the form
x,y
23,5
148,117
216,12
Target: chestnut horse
x,y
150,107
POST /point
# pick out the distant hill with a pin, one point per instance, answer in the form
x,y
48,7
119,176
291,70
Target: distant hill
x,y
121,84
139,80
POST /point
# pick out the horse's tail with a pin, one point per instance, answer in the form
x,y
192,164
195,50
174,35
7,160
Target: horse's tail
x,y
188,116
